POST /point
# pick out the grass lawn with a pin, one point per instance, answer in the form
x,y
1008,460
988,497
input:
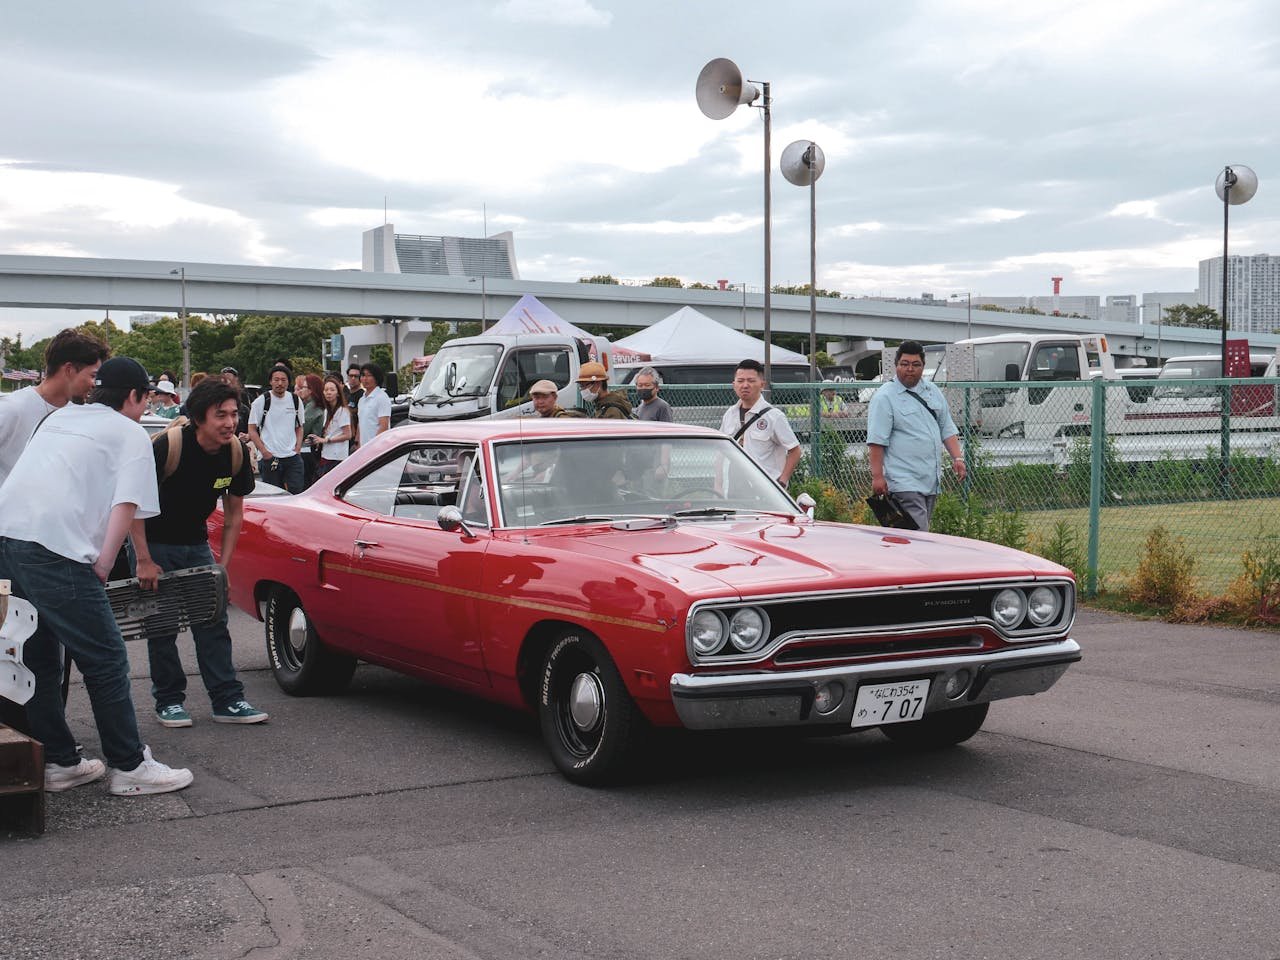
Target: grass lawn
x,y
1216,532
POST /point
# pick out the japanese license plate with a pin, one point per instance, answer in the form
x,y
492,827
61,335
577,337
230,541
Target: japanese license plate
x,y
898,702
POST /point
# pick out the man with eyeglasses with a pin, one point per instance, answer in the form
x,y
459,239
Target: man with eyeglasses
x,y
908,422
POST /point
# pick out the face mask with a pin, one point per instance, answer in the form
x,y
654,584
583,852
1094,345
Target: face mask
x,y
588,394
645,393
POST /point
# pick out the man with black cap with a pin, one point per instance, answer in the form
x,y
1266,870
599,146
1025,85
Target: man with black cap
x,y
64,512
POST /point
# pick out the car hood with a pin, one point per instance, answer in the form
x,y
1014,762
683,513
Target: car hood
x,y
774,556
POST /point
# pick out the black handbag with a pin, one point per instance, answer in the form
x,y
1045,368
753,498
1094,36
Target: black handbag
x,y
889,512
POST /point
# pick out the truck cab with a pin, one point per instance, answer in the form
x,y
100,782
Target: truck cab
x,y
1028,412
490,376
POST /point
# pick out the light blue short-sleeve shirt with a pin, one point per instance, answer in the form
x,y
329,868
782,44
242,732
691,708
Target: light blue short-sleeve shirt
x,y
911,435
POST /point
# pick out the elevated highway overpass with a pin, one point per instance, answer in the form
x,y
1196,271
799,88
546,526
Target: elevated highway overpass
x,y
408,303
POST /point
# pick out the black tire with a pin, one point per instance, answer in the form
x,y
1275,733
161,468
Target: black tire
x,y
302,664
936,731
593,743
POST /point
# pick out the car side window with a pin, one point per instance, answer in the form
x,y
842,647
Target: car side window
x,y
524,368
415,484
472,497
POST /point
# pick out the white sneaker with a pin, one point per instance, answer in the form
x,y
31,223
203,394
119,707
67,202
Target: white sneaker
x,y
150,776
58,778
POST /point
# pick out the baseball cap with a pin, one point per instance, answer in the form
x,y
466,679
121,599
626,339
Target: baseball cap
x,y
592,372
231,370
543,386
123,372
164,386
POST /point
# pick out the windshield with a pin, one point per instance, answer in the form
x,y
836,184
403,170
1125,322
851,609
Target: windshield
x,y
472,365
993,358
1188,369
554,481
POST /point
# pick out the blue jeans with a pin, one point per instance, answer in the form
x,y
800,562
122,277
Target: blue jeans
x,y
213,642
73,611
286,472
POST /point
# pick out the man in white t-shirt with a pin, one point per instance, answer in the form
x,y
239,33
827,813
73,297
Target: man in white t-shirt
x,y
275,428
67,505
70,362
761,430
375,405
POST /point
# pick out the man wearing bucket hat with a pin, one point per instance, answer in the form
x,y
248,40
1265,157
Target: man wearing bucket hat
x,y
87,472
593,385
166,404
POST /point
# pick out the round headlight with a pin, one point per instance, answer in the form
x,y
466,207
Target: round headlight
x,y
1009,607
748,629
1043,605
707,631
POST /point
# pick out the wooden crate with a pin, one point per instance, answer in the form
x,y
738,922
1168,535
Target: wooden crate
x,y
21,781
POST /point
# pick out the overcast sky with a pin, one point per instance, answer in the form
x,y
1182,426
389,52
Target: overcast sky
x,y
971,145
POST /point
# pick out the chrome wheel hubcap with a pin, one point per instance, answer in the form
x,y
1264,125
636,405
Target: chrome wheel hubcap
x,y
298,631
586,701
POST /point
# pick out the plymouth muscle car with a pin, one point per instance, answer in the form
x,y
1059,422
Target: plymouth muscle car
x,y
615,576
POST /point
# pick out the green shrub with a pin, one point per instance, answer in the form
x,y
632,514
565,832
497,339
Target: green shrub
x,y
1065,549
1166,571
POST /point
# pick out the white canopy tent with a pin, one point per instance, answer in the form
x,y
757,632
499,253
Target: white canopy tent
x,y
688,336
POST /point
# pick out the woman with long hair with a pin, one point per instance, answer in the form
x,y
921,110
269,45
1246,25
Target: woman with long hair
x,y
335,435
308,388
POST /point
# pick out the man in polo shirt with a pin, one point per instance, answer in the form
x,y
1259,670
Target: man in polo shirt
x,y
908,421
275,428
761,430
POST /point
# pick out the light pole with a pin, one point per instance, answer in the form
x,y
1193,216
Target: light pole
x,y
1159,318
720,91
968,313
181,274
1236,184
802,164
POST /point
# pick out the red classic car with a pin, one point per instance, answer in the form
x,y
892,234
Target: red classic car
x,y
613,576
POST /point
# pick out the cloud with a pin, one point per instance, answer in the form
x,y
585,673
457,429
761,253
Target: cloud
x,y
566,13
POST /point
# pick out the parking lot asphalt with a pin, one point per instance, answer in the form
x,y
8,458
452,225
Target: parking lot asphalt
x,y
1132,811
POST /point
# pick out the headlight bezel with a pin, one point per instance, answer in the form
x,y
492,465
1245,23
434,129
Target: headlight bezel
x,y
723,623
1057,603
763,636
1021,607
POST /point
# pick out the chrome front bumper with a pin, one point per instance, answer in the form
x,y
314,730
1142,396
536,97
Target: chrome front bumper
x,y
716,701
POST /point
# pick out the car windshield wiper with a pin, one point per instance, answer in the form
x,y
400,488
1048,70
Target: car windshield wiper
x,y
711,512
429,398
583,518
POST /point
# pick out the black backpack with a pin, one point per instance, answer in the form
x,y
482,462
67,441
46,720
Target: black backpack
x,y
266,405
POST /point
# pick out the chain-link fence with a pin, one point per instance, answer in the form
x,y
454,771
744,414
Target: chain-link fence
x,y
1081,472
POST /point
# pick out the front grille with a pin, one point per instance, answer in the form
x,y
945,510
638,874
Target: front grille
x,y
183,598
859,612
850,649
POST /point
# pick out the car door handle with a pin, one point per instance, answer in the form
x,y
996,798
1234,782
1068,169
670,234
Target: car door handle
x,y
363,544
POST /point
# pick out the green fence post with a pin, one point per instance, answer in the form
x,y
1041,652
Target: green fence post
x,y
968,446
1224,467
815,428
1097,463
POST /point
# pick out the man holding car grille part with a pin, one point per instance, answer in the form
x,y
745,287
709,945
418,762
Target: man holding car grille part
x,y
86,474
907,423
206,467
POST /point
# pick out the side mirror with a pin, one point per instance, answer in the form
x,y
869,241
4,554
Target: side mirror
x,y
1011,373
806,503
450,519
